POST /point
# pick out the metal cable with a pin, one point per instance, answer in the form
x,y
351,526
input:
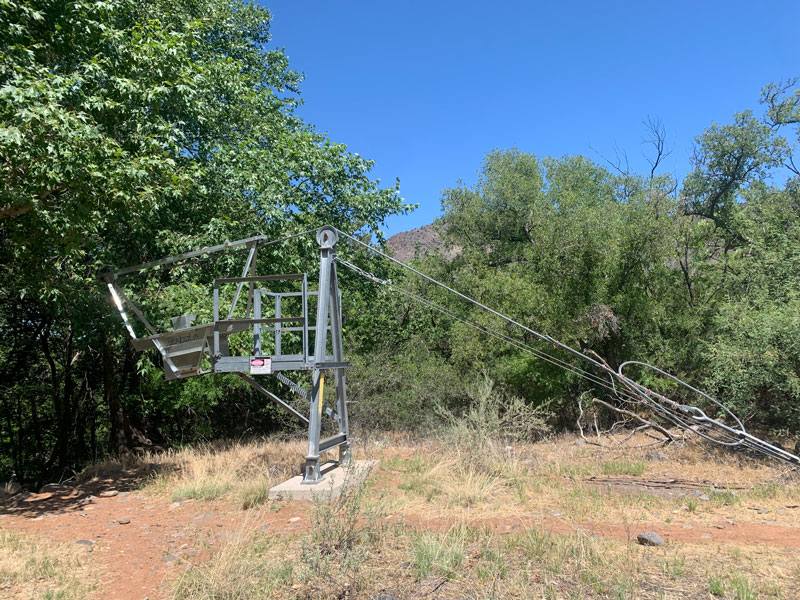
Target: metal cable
x,y
672,411
492,332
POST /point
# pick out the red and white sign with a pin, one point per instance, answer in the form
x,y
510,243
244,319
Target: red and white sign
x,y
260,365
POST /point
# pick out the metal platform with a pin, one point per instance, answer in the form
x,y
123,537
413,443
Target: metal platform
x,y
277,343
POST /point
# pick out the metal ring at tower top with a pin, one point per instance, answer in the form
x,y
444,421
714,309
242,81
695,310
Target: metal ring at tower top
x,y
327,236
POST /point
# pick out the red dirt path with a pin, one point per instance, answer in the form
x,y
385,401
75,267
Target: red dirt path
x,y
137,559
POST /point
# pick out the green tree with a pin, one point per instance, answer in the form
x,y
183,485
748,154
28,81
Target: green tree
x,y
129,130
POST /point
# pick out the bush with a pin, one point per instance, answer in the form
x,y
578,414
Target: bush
x,y
492,418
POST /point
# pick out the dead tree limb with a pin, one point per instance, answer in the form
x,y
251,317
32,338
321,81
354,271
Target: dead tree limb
x,y
645,422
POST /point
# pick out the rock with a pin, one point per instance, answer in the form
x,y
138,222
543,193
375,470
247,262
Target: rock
x,y
650,538
762,511
293,520
107,494
384,597
55,488
85,542
654,456
123,521
704,497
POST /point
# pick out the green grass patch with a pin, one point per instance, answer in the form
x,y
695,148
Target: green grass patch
x,y
209,490
623,467
436,553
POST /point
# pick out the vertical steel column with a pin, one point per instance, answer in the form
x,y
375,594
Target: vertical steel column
x,y
257,335
326,238
338,356
215,353
305,317
278,326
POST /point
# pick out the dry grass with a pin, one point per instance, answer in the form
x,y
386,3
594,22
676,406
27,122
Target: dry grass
x,y
470,517
249,565
33,568
471,562
244,471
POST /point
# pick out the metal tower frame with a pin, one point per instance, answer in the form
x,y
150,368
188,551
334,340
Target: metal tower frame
x,y
186,348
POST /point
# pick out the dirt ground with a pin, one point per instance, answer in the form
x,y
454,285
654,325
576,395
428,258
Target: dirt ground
x,y
137,542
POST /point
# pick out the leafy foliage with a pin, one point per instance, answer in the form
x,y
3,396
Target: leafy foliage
x,y
131,130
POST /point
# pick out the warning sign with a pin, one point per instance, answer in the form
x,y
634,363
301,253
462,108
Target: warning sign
x,y
260,365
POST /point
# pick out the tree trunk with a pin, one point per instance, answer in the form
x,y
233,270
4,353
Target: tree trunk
x,y
120,440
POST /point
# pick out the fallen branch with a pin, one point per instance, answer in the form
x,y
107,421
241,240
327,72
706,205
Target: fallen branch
x,y
646,424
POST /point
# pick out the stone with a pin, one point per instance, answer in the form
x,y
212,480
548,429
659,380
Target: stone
x,y
85,542
54,488
123,521
293,520
107,494
654,456
705,497
650,538
762,511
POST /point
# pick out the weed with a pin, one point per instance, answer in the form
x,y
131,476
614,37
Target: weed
x,y
342,532
766,491
441,554
206,490
724,497
537,544
623,467
246,567
42,569
492,420
676,567
742,588
716,585
254,495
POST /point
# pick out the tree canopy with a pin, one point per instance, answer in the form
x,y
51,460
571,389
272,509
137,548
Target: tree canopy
x,y
130,130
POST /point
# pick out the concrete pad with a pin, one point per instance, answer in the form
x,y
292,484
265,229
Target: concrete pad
x,y
334,479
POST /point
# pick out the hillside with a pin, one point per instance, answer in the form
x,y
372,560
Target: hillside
x,y
426,239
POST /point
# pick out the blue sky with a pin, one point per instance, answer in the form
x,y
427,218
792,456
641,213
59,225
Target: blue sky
x,y
426,89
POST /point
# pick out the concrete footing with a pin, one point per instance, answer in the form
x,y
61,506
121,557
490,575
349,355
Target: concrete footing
x,y
335,477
